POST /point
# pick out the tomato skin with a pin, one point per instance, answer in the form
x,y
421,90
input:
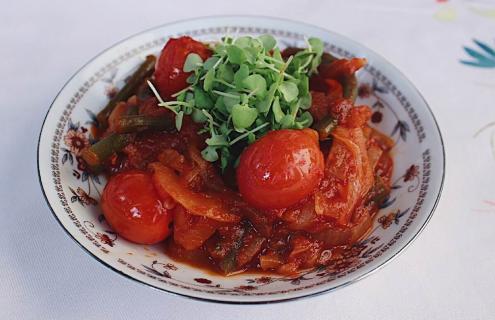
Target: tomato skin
x,y
169,76
280,169
133,208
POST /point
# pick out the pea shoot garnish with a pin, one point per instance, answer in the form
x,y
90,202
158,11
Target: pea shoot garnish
x,y
244,90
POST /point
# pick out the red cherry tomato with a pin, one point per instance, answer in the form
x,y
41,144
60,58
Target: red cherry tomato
x,y
169,75
280,169
133,208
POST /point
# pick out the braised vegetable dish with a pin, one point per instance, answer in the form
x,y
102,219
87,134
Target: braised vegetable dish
x,y
236,155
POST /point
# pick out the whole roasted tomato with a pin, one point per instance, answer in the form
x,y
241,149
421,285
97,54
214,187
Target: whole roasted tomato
x,y
133,208
280,169
169,75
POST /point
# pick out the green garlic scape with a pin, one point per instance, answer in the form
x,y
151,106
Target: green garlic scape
x,y
244,90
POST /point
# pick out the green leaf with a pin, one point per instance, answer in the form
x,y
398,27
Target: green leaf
x,y
277,55
191,79
303,85
240,75
181,97
251,138
217,140
255,83
201,99
235,54
193,61
252,54
210,154
225,73
287,122
178,120
288,90
316,45
236,162
268,41
188,110
277,110
244,99
305,102
189,96
294,108
225,159
264,105
210,62
243,42
231,101
305,120
243,116
260,120
224,129
208,81
198,116
220,105
221,49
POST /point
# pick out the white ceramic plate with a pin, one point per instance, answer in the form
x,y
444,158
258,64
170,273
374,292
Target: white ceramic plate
x,y
398,110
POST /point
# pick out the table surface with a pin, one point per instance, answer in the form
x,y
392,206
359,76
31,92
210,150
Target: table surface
x,y
448,273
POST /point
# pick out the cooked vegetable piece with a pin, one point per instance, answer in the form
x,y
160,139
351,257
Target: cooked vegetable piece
x,y
251,247
144,71
96,155
301,217
270,261
135,123
338,236
341,68
350,86
166,181
348,176
304,254
173,159
261,221
324,127
229,263
191,231
123,108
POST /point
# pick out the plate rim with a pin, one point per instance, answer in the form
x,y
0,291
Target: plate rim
x,y
253,302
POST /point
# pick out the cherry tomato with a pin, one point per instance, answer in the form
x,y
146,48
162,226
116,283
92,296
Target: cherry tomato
x,y
169,75
133,208
280,169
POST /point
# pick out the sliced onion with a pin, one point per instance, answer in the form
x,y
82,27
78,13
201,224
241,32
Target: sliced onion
x,y
167,182
339,236
270,261
250,248
192,231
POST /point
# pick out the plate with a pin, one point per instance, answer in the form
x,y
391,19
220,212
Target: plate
x,y
398,110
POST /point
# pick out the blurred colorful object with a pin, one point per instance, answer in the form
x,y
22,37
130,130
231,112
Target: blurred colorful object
x,y
483,55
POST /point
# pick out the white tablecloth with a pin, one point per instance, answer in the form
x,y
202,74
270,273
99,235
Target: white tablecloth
x,y
448,273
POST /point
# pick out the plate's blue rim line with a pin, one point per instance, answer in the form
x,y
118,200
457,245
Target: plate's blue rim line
x,y
211,300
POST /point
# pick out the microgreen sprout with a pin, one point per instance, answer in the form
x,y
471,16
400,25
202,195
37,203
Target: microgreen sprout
x,y
244,90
